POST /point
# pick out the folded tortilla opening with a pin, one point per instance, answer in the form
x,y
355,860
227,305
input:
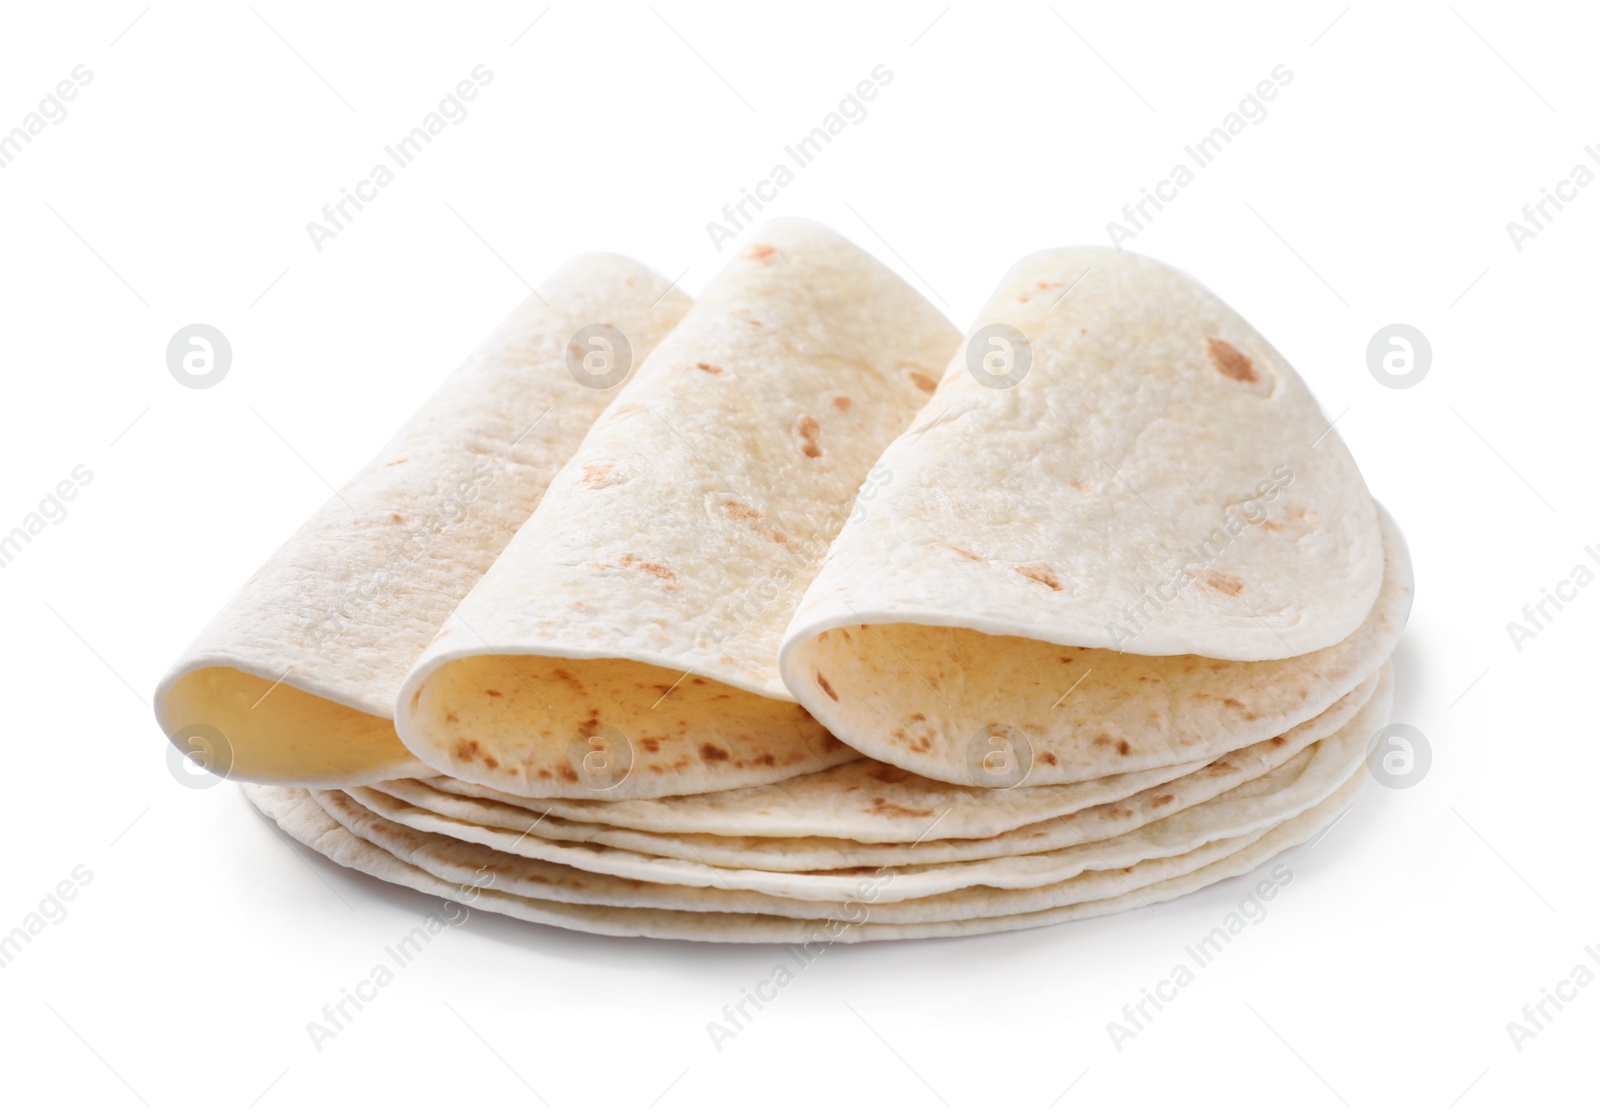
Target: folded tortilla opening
x,y
559,726
254,728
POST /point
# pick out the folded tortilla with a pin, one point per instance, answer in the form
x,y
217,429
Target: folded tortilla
x,y
295,679
625,643
1121,535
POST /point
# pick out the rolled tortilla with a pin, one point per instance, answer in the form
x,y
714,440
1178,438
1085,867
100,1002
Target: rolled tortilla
x,y
1121,535
295,679
625,644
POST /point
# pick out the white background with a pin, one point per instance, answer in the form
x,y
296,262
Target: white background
x,y
1376,191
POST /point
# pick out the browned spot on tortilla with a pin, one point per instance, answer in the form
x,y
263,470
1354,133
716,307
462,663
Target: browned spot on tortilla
x,y
1223,582
1164,799
1041,574
513,771
882,806
493,692
392,463
917,717
713,753
889,775
710,369
761,253
1049,758
1119,812
842,403
827,688
967,553
451,717
661,572
394,517
1217,769
650,743
1277,740
1124,747
491,762
566,677
1230,361
595,474
466,749
807,429
1230,702
1103,740
924,382
569,774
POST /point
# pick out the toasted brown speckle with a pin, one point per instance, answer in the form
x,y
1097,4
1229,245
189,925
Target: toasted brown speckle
x,y
822,682
713,753
924,382
1230,361
659,571
807,429
1223,582
1041,574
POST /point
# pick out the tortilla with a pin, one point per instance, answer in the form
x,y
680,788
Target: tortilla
x,y
295,679
1286,791
1148,493
495,822
625,644
941,701
303,819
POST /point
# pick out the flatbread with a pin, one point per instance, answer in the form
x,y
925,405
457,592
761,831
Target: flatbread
x,y
1284,792
303,819
295,679
484,820
625,644
937,700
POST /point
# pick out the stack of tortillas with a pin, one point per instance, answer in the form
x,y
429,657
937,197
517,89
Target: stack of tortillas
x,y
794,616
